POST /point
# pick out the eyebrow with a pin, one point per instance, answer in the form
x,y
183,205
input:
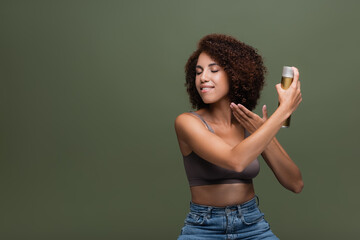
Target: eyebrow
x,y
211,64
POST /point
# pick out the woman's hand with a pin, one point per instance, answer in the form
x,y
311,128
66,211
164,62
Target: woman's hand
x,y
248,119
290,98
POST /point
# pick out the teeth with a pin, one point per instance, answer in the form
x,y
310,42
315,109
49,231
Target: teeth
x,y
205,88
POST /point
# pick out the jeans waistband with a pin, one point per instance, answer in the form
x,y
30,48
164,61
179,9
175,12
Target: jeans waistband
x,y
246,206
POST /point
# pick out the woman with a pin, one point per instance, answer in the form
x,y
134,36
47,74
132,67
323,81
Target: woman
x,y
224,78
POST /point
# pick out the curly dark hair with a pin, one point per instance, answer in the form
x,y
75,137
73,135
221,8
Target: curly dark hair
x,y
242,64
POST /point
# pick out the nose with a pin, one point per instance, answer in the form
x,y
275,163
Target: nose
x,y
203,77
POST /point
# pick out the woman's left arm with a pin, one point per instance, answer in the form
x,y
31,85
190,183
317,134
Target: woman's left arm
x,y
285,170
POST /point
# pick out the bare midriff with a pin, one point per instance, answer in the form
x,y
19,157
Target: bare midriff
x,y
221,195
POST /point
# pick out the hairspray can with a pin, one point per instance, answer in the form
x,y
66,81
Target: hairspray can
x,y
286,80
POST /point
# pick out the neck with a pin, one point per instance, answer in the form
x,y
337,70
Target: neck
x,y
221,114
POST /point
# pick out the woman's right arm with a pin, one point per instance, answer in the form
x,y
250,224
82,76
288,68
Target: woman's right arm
x,y
212,148
215,150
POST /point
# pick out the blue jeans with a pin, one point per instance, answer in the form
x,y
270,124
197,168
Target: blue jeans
x,y
244,221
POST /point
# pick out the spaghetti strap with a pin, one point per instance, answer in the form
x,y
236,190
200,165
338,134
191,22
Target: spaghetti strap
x,y
207,125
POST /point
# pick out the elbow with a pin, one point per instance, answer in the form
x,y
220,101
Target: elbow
x,y
234,165
237,166
298,187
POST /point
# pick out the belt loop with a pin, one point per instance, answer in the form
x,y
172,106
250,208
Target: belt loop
x,y
208,215
258,201
239,210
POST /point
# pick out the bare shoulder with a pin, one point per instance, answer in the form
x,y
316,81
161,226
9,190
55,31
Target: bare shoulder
x,y
184,117
185,123
186,120
193,135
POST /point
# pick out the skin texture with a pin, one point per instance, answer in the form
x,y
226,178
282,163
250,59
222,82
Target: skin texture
x,y
227,147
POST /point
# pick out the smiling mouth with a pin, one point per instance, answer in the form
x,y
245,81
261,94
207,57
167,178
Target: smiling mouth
x,y
206,88
203,90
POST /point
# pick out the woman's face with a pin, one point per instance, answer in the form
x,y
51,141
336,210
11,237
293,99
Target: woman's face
x,y
211,80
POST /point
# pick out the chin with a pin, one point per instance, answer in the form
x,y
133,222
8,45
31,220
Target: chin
x,y
207,101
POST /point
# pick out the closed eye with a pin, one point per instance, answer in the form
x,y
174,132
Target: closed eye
x,y
198,73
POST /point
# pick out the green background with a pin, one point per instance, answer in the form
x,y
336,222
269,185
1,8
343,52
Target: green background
x,y
90,91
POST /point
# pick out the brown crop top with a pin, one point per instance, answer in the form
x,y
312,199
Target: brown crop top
x,y
201,172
